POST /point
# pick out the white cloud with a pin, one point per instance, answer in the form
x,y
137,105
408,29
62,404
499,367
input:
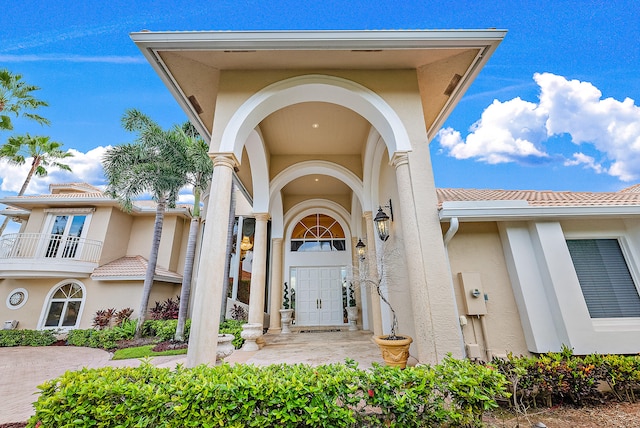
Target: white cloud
x,y
85,167
586,161
516,130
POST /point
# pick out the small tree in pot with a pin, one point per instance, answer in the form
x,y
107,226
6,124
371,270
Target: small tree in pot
x,y
286,311
394,346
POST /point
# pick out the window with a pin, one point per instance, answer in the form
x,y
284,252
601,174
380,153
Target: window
x,y
65,234
607,285
64,306
317,232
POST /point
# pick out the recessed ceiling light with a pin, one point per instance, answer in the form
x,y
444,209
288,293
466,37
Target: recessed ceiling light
x,y
315,125
317,179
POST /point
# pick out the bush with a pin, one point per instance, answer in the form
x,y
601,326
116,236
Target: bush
x,y
105,339
165,329
26,338
167,310
336,395
233,327
563,378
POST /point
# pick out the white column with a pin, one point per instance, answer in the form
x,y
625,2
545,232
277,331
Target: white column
x,y
205,319
258,270
276,285
420,302
372,274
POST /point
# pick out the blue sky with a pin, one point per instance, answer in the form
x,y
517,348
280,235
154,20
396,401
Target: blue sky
x,y
555,108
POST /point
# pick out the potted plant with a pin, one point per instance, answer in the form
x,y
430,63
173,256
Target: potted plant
x,y
352,309
394,347
286,312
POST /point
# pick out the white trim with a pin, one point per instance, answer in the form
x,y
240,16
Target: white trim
x,y
521,210
315,87
47,304
302,169
21,304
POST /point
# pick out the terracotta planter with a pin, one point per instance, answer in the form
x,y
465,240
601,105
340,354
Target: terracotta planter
x,y
225,347
285,320
395,353
352,316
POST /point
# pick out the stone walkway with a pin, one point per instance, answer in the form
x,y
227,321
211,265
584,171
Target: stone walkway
x,y
22,369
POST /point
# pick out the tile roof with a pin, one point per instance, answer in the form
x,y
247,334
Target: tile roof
x,y
544,198
132,268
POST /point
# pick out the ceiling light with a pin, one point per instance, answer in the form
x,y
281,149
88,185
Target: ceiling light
x,y
315,125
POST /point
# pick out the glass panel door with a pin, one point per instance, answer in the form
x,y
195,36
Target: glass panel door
x,y
64,238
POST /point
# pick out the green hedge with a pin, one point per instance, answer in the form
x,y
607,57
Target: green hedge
x,y
453,393
105,338
563,378
26,338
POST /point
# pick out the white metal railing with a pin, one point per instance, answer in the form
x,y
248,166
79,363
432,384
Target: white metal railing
x,y
47,246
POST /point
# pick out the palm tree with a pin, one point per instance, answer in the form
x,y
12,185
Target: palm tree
x,y
199,176
43,153
16,98
155,164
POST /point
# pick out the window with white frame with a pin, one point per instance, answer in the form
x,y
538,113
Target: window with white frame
x,y
63,306
317,232
607,284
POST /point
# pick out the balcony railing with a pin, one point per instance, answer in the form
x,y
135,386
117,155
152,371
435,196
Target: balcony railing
x,y
47,246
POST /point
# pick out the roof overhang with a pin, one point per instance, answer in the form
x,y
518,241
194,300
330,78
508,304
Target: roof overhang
x,y
481,211
209,52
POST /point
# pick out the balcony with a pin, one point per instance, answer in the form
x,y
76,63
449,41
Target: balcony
x,y
36,255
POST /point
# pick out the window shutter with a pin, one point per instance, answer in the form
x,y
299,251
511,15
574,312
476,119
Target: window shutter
x,y
607,284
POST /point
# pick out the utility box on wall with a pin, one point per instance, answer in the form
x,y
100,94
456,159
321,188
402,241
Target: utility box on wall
x,y
473,294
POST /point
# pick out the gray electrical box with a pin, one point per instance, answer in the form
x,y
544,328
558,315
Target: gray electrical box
x,y
474,298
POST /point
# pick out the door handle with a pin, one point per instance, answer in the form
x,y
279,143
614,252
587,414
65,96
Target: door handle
x,y
317,304
320,303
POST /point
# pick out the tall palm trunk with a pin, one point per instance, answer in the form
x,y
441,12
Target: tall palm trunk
x,y
187,276
151,267
34,165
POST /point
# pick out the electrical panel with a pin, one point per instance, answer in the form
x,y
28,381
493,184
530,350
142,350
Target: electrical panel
x,y
474,296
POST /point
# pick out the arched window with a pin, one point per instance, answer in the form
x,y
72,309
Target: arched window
x,y
317,232
64,306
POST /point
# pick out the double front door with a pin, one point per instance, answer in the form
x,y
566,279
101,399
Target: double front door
x,y
318,295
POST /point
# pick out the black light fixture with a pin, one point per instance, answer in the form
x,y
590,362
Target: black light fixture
x,y
360,249
382,221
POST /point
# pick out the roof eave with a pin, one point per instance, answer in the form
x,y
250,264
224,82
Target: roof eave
x,y
483,214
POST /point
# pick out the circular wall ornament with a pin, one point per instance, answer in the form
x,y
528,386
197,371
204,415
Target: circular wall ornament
x,y
17,298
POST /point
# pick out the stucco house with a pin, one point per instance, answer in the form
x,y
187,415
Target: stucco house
x,y
326,132
78,252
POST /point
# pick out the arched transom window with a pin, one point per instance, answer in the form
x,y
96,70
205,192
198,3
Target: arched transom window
x,y
64,306
317,232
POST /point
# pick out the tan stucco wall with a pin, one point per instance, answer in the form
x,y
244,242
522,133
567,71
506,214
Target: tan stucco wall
x,y
116,236
36,221
477,248
99,295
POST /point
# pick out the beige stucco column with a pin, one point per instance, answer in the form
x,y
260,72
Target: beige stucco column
x,y
207,301
276,285
372,274
420,303
258,270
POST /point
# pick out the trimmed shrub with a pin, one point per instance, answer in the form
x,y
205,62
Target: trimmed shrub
x,y
26,338
336,395
105,339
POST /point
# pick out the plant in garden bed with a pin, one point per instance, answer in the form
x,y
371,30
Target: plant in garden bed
x,y
27,338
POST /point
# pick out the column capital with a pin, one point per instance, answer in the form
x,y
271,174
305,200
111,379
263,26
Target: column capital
x,y
368,215
399,158
224,159
261,216
277,240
